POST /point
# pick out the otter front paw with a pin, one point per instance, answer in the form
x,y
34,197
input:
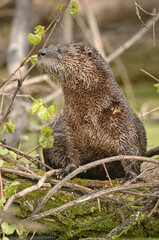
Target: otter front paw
x,y
130,175
70,168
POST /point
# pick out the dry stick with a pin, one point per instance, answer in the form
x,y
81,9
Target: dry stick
x,y
26,155
90,197
35,176
12,100
32,176
152,14
88,166
1,184
151,111
20,81
18,95
33,80
153,210
141,194
111,183
33,235
131,41
150,75
105,168
29,189
17,163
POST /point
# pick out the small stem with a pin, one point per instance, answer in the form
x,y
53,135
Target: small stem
x,y
1,183
142,70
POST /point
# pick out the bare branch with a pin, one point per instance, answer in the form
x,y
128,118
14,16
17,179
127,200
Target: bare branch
x,y
29,189
92,196
88,166
131,41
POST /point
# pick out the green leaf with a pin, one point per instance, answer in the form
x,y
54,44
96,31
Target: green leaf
x,y
15,183
33,58
13,155
5,238
46,142
157,85
39,30
35,106
3,151
73,9
8,229
60,6
1,162
46,130
34,39
74,5
9,190
2,201
73,12
10,126
43,113
20,230
52,108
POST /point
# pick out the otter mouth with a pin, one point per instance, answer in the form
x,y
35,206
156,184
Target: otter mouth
x,y
48,69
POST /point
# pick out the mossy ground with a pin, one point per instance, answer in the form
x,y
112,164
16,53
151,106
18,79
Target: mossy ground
x,y
82,220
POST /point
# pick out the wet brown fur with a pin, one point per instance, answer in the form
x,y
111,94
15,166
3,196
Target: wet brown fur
x,y
97,121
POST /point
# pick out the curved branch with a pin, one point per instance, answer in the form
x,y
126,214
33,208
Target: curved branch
x,y
90,197
91,165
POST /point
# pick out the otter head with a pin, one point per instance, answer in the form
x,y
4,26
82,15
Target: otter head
x,y
73,63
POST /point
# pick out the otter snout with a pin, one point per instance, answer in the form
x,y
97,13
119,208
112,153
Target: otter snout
x,y
42,52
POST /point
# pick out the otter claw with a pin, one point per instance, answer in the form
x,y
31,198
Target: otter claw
x,y
130,175
63,173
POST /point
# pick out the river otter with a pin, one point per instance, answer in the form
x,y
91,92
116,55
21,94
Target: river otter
x,y
97,121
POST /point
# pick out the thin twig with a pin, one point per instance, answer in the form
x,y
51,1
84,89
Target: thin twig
x,y
92,196
149,74
147,113
18,95
26,155
105,168
1,184
88,166
154,209
131,41
29,189
11,102
21,165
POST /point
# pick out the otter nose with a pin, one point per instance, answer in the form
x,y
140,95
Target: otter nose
x,y
41,52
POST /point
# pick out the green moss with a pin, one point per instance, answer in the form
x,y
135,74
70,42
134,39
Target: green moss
x,y
81,220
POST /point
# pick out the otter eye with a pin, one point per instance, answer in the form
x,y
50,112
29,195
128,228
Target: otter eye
x,y
89,54
60,51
